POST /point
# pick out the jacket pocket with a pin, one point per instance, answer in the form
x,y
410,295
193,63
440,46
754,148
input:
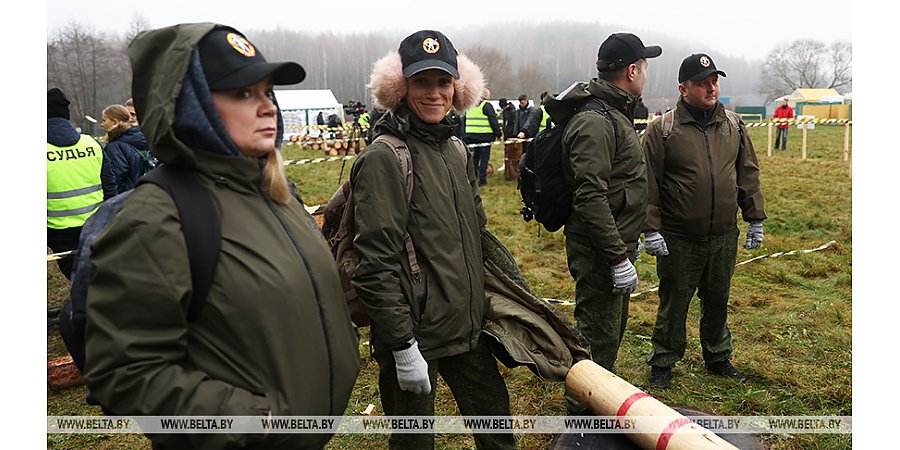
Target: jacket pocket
x,y
617,200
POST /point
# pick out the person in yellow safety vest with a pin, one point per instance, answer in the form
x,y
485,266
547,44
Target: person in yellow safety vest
x,y
74,188
364,120
482,128
545,123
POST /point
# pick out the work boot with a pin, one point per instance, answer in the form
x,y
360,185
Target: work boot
x,y
725,369
659,377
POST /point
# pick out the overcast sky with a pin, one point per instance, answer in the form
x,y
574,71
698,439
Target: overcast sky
x,y
736,28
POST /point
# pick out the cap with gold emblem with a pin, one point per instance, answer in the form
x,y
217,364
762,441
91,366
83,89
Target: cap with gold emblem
x,y
427,49
697,67
230,61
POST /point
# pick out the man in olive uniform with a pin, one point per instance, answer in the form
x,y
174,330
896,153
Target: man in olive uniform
x,y
701,169
604,165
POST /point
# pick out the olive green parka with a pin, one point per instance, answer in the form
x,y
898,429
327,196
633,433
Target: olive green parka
x,y
444,217
605,168
274,335
700,176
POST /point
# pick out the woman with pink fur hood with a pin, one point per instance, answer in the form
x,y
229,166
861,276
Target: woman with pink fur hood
x,y
426,311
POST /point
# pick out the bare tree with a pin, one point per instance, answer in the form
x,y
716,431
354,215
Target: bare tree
x,y
497,70
806,64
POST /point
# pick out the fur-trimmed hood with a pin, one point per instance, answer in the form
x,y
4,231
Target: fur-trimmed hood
x,y
388,84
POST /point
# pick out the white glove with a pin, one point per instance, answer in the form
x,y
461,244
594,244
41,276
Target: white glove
x,y
412,370
638,250
754,235
655,245
625,277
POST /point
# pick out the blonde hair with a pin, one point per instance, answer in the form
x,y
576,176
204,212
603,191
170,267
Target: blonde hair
x,y
120,113
274,181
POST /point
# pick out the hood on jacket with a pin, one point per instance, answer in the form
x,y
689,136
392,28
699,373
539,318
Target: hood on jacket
x,y
61,133
172,98
562,105
133,137
389,86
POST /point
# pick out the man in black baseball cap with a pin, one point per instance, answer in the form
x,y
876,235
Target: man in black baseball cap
x,y
622,49
698,155
428,49
604,161
230,61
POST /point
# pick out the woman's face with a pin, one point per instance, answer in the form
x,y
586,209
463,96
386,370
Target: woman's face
x,y
430,94
107,123
250,116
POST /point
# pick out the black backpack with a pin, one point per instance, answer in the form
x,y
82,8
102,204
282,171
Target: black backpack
x,y
547,197
202,234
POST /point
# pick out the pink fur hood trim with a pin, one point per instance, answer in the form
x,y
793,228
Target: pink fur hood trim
x,y
389,86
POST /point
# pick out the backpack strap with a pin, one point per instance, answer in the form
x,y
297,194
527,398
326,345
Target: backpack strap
x,y
668,122
735,120
199,223
401,151
595,104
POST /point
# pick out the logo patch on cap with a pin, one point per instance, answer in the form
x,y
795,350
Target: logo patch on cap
x,y
704,61
242,45
431,45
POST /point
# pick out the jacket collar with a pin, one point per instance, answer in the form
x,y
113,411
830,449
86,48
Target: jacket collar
x,y
403,123
613,95
684,115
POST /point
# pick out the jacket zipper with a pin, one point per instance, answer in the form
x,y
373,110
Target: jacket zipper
x,y
712,181
315,287
461,238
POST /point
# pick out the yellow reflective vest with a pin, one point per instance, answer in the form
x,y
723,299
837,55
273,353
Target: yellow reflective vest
x,y
477,121
545,122
74,190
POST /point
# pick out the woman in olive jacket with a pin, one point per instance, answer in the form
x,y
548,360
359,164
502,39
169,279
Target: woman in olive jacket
x,y
274,336
428,324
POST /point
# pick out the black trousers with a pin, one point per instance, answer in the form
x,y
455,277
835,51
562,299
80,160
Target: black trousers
x,y
63,240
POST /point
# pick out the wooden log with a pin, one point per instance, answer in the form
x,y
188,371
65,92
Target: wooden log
x,y
769,141
847,141
512,154
63,373
661,427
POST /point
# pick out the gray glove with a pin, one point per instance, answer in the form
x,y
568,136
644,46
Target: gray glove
x,y
655,245
625,277
412,370
754,235
638,250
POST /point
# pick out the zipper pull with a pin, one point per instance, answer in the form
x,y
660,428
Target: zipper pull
x,y
221,182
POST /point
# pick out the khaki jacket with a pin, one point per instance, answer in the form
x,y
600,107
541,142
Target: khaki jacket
x,y
605,168
444,217
274,335
699,177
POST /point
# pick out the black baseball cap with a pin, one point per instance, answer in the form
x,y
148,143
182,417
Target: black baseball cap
x,y
697,67
428,49
230,61
621,49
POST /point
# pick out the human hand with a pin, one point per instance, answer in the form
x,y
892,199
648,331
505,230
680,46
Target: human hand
x,y
754,235
655,244
412,370
625,277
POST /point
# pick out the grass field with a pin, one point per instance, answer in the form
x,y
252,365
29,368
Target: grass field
x,y
790,317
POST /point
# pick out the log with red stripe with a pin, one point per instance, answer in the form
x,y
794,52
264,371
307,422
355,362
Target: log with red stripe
x,y
660,427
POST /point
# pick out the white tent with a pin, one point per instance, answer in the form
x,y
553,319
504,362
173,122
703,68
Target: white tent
x,y
300,107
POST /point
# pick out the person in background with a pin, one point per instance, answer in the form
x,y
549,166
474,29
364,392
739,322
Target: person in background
x,y
129,105
274,336
640,113
483,128
508,112
784,111
75,167
429,323
523,112
604,165
700,175
127,150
